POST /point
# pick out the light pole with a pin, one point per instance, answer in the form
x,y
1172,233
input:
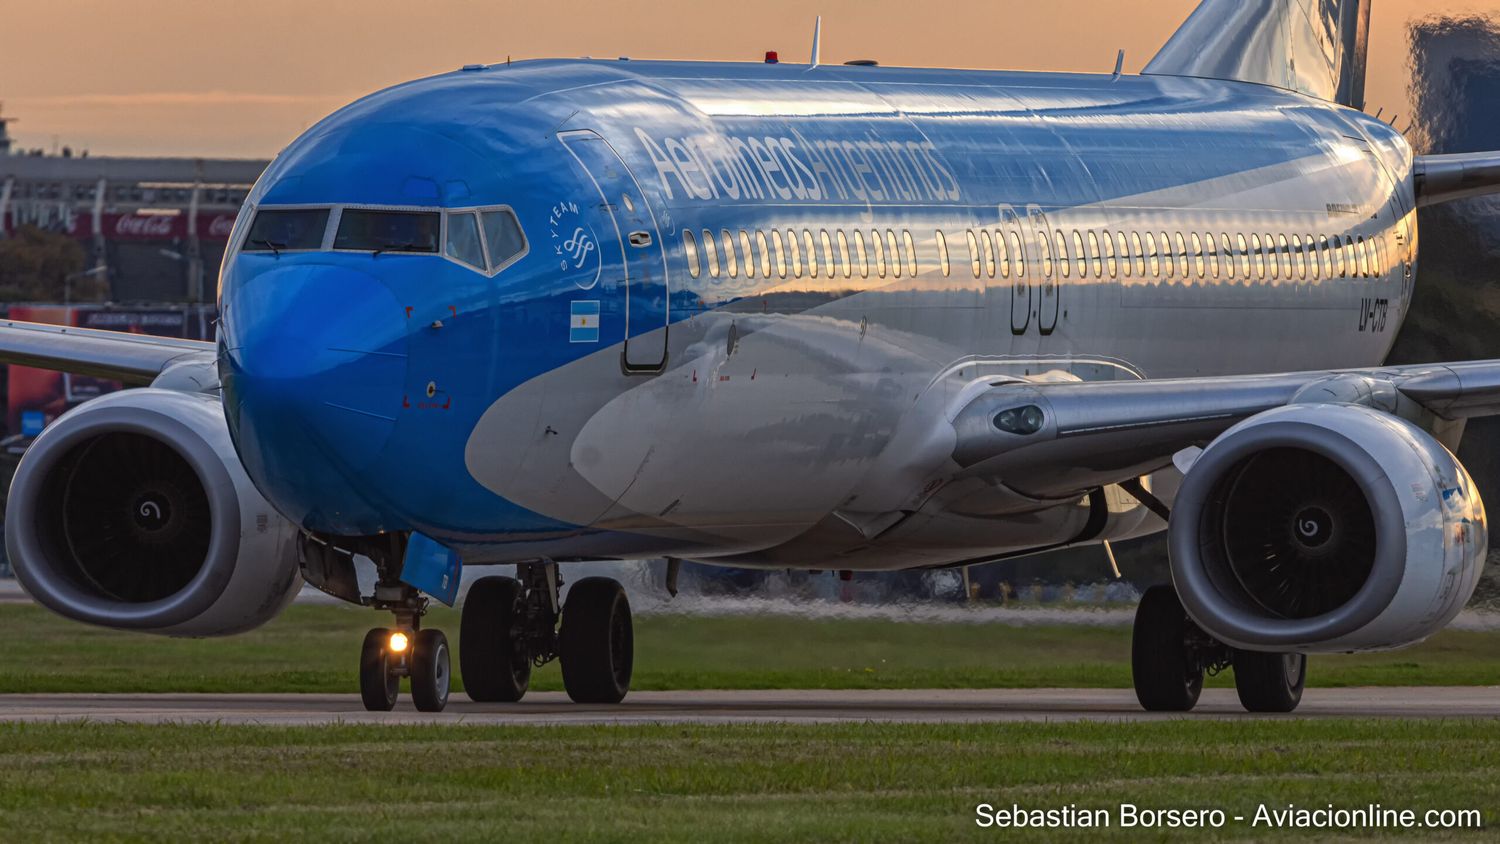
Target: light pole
x,y
68,281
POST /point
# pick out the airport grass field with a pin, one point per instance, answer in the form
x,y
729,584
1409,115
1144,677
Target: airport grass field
x,y
314,648
719,783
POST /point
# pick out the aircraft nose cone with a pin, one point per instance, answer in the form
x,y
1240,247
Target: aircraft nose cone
x,y
313,361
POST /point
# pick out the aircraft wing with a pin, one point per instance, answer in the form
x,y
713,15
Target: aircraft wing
x,y
131,358
1073,436
1443,178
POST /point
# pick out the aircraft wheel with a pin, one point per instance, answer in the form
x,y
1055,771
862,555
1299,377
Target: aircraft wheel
x,y
597,642
493,660
379,684
1167,676
429,671
1269,682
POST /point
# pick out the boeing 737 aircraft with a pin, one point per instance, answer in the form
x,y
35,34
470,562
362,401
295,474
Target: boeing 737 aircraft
x,y
797,316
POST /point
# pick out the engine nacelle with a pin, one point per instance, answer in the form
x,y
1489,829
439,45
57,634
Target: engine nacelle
x,y
132,511
1326,528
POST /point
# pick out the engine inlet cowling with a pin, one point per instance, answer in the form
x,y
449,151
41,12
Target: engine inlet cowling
x,y
132,511
1326,527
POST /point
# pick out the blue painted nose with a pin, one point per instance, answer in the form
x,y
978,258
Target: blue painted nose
x,y
313,358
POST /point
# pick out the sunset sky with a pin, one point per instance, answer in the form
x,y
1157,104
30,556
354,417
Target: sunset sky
x,y
219,78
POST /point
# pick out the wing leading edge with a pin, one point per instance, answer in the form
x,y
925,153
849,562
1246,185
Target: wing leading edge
x,y
1089,434
131,358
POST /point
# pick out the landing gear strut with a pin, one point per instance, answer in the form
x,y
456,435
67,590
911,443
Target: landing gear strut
x,y
511,625
405,650
1170,655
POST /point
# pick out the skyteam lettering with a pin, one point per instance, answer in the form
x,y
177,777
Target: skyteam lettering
x,y
717,166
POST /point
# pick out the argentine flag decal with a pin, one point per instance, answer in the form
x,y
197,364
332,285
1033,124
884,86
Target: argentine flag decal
x,y
583,322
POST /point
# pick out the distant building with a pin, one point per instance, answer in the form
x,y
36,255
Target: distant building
x,y
158,224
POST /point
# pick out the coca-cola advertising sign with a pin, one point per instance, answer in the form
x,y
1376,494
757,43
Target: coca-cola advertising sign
x,y
146,226
218,228
211,225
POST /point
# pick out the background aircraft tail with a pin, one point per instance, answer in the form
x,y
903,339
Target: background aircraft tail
x,y
1317,47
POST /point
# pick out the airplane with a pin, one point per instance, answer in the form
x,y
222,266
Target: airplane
x,y
810,316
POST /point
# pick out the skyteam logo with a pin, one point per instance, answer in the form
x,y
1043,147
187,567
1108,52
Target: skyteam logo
x,y
575,245
583,321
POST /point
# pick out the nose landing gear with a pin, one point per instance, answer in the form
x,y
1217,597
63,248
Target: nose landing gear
x,y
406,650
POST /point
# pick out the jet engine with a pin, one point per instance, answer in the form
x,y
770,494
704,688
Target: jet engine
x,y
133,512
1326,528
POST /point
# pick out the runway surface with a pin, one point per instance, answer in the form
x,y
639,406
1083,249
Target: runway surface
x,y
713,707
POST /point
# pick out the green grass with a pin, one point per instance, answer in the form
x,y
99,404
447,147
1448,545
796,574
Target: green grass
x,y
313,648
711,783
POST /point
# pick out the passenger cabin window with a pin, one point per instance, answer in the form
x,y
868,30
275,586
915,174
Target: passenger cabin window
x,y
503,236
463,240
749,255
731,261
690,249
942,248
279,229
388,231
712,251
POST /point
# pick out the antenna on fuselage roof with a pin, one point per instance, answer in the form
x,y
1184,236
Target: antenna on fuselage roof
x,y
817,39
1119,63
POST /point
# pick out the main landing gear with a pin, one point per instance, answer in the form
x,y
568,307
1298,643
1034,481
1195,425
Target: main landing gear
x,y
1170,656
511,625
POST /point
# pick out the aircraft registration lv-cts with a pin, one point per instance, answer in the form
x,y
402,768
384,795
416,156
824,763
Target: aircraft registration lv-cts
x,y
781,315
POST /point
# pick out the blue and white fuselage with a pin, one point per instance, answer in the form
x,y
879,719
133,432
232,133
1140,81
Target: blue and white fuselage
x,y
741,294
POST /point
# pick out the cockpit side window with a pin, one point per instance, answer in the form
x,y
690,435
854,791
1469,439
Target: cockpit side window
x,y
282,229
463,239
388,231
502,233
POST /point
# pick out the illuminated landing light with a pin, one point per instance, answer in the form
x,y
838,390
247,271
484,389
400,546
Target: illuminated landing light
x,y
399,642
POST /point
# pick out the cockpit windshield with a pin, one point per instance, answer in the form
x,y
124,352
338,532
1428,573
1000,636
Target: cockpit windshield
x,y
483,239
275,230
388,231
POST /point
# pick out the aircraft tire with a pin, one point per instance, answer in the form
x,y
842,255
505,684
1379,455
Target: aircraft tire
x,y
429,671
494,664
379,686
1269,682
596,643
1166,677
